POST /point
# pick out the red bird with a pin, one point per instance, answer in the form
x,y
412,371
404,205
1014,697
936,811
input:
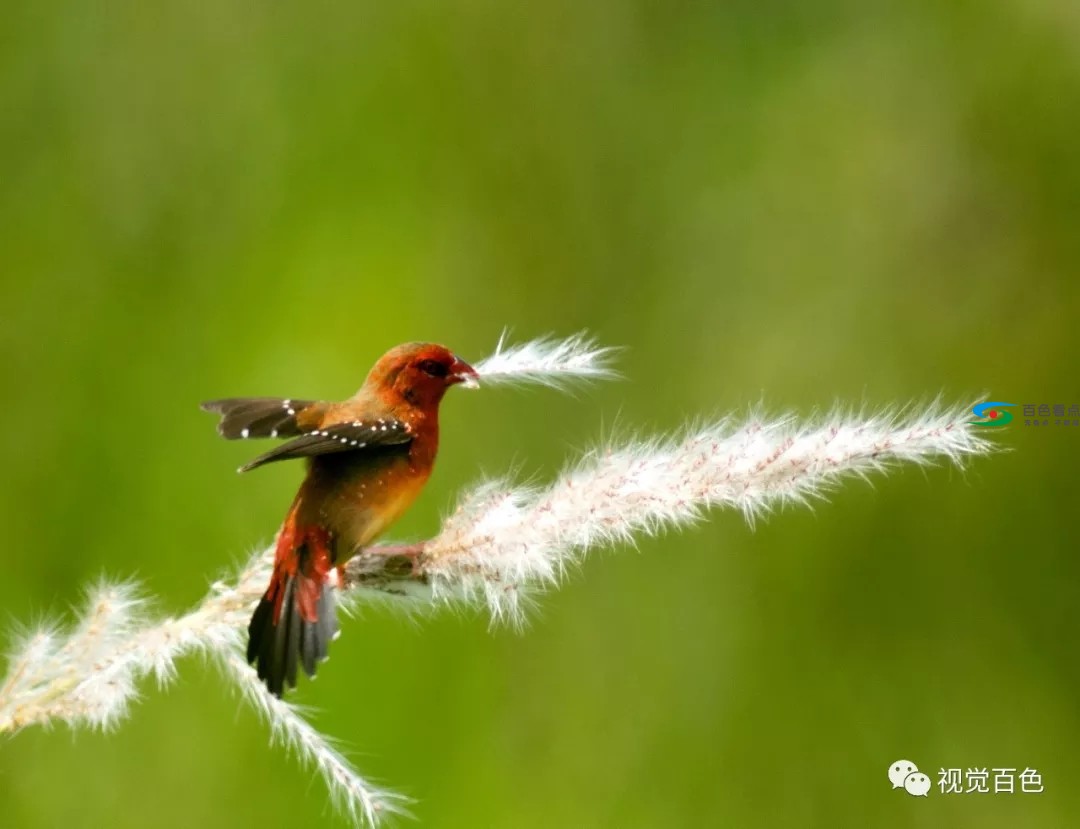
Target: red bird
x,y
368,459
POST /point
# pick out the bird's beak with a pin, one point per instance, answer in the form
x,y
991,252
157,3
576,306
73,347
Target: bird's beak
x,y
462,372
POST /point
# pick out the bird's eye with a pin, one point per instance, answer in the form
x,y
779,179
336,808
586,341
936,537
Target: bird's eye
x,y
434,368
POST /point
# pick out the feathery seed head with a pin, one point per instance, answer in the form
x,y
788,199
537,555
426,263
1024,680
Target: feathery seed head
x,y
547,361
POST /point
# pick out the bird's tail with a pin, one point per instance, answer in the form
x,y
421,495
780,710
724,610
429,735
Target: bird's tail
x,y
296,619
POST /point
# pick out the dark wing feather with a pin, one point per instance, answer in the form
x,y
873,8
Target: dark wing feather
x,y
257,417
351,436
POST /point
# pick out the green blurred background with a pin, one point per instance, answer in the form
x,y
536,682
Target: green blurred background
x,y
795,203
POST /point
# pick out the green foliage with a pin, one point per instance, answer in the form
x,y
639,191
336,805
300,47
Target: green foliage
x,y
795,203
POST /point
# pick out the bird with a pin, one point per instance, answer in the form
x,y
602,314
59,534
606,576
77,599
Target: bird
x,y
367,458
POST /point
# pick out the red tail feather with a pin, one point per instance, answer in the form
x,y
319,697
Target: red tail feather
x,y
295,620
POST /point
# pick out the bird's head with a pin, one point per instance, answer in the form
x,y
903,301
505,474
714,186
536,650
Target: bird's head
x,y
419,374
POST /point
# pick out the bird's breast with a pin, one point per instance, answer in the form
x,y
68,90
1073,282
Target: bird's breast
x,y
357,504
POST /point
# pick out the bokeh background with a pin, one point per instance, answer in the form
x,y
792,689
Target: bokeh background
x,y
781,202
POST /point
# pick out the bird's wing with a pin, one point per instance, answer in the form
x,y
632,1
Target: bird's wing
x,y
262,417
350,436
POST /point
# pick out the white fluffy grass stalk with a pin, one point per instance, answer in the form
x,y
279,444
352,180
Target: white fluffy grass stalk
x,y
88,676
364,804
502,542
